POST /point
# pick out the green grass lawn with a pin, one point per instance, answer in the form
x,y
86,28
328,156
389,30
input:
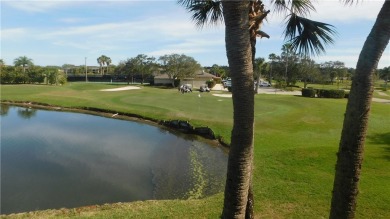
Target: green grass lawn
x,y
296,141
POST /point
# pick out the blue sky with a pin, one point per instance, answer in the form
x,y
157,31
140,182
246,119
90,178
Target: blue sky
x,y
58,32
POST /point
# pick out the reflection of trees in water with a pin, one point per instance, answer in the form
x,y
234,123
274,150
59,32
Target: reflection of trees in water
x,y
26,113
4,108
170,165
187,169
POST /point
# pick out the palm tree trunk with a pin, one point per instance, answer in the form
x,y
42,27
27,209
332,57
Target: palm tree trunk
x,y
350,155
238,49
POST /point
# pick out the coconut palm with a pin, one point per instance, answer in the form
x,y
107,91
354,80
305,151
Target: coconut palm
x,y
23,61
258,64
243,20
108,62
351,147
100,60
104,60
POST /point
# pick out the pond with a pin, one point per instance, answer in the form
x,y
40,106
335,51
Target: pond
x,y
53,159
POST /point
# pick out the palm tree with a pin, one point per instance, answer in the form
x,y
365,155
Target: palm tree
x,y
242,18
1,62
272,57
23,61
351,147
258,64
108,62
104,60
100,60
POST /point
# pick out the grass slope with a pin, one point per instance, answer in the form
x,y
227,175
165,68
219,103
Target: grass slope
x,y
296,141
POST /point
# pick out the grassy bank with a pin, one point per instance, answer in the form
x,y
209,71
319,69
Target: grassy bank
x,y
296,141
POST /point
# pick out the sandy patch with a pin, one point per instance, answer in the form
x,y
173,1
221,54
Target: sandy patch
x,y
267,91
122,88
278,91
383,94
223,95
379,100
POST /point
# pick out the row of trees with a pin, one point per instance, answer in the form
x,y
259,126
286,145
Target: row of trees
x,y
286,71
31,75
175,66
24,72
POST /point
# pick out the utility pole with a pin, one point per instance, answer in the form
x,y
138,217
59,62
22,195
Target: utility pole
x,y
86,78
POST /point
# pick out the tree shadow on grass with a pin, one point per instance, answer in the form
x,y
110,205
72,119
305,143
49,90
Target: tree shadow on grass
x,y
382,139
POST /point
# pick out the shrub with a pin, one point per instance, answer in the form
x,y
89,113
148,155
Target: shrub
x,y
211,83
308,92
176,82
218,80
330,93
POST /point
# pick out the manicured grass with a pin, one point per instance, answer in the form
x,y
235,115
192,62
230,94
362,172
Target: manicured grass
x,y
296,141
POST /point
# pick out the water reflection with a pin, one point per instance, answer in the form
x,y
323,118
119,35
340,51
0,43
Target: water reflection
x,y
57,159
27,113
4,108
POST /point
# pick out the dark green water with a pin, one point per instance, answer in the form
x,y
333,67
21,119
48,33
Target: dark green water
x,y
60,159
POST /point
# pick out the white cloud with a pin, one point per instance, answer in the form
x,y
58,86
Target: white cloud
x,y
33,6
12,33
71,20
336,11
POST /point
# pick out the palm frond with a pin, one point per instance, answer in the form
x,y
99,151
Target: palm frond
x,y
308,37
349,2
204,11
301,7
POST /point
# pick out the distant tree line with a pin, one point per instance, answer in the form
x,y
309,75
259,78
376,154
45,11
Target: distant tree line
x,y
285,69
289,67
24,72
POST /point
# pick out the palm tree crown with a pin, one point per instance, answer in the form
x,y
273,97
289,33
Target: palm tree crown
x,y
23,61
103,60
307,36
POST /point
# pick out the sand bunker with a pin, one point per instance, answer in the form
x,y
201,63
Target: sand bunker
x,y
122,88
223,95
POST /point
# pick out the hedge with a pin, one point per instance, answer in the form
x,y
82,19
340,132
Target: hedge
x,y
322,93
308,92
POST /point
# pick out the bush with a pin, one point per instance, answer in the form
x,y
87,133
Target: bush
x,y
176,82
330,93
218,80
308,92
211,83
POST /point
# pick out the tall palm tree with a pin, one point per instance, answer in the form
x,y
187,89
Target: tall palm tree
x,y
104,60
272,57
100,60
23,61
108,62
242,21
351,147
258,64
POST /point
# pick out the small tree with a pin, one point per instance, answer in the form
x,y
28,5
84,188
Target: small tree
x,y
308,71
179,66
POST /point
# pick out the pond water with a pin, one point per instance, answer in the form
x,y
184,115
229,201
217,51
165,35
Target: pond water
x,y
60,159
